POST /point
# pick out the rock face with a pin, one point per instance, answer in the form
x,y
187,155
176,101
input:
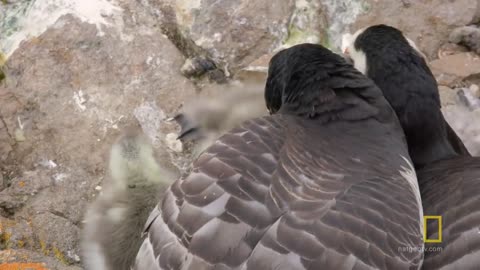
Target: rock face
x,y
66,95
236,33
468,36
466,123
427,23
461,65
22,259
9,105
454,68
461,109
232,33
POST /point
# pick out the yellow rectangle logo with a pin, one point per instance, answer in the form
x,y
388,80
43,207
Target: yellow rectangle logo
x,y
439,239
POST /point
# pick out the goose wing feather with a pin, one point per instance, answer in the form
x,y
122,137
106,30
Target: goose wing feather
x,y
257,199
219,205
450,189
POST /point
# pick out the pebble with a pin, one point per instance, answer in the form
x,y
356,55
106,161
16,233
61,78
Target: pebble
x,y
475,90
173,143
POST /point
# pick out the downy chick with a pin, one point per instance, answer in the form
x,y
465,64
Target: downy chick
x,y
205,119
115,221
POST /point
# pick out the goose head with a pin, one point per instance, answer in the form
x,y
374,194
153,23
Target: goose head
x,y
398,67
310,81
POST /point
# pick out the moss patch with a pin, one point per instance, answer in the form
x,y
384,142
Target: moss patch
x,y
43,248
326,41
24,266
5,240
51,249
297,36
59,255
365,7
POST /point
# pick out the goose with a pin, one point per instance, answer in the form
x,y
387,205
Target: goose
x,y
449,178
324,182
112,233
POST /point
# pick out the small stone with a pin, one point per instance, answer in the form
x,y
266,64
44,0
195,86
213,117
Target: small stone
x,y
59,177
450,49
173,143
188,68
475,89
19,135
261,64
468,99
73,255
230,33
217,76
447,96
50,164
468,36
98,188
197,66
406,3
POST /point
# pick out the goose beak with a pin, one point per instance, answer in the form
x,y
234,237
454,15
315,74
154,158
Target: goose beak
x,y
347,57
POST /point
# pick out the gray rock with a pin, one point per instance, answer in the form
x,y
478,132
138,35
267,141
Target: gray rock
x,y
448,96
468,98
340,15
452,69
10,204
74,90
57,236
448,48
427,23
231,33
197,66
32,259
16,234
236,33
466,123
9,107
460,107
469,36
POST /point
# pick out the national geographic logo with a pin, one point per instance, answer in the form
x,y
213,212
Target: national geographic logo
x,y
435,230
439,222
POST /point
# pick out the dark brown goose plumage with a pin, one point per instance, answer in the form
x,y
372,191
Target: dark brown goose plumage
x,y
323,183
449,177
